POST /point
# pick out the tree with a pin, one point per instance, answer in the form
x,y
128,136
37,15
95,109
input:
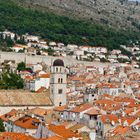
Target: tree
x,y
50,51
11,81
2,129
104,60
21,66
122,60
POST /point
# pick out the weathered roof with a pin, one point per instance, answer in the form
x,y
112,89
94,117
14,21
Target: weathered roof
x,y
23,98
27,122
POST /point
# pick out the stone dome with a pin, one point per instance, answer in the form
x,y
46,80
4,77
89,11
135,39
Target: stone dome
x,y
58,62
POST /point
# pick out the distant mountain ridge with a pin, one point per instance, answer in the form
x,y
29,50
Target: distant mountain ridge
x,y
21,20
115,13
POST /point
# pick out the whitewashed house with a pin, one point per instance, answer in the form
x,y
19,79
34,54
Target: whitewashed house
x,y
26,125
77,113
8,34
31,38
37,67
42,81
72,47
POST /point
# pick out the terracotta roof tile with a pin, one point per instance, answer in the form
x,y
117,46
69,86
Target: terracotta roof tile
x,y
44,76
93,111
60,108
82,108
8,115
14,136
60,130
119,130
55,138
27,122
40,90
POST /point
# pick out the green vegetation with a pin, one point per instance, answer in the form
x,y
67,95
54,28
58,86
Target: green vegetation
x,y
122,60
50,51
6,43
11,81
2,129
22,66
53,27
104,60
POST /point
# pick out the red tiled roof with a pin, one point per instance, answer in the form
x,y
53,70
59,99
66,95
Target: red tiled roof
x,y
93,111
111,117
60,108
40,90
119,130
54,138
14,136
44,76
129,120
27,122
6,116
60,130
81,108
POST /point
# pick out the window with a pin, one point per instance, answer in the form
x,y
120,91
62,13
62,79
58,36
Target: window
x,y
95,117
60,104
59,80
60,91
90,117
56,69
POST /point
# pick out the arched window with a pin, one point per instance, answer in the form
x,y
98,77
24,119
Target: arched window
x,y
56,69
59,80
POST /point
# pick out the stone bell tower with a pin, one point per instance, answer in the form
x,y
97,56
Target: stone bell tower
x,y
58,83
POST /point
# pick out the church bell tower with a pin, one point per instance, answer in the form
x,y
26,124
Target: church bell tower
x,y
58,83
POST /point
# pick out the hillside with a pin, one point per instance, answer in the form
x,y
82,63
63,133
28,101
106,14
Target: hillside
x,y
114,13
60,28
